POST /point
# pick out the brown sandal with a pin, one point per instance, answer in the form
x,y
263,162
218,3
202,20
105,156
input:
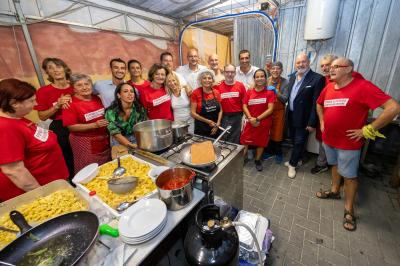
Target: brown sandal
x,y
327,194
349,221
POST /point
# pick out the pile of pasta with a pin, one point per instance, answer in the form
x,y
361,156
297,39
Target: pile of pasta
x,y
40,210
133,168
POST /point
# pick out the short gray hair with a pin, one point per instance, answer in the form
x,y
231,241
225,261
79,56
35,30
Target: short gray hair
x,y
78,76
278,64
205,72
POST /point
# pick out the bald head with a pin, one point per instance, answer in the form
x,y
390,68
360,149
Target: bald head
x,y
302,63
213,62
341,69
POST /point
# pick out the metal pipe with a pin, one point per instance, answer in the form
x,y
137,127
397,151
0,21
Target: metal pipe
x,y
21,18
229,16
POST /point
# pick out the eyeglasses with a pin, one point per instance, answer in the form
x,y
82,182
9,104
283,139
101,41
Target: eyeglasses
x,y
338,66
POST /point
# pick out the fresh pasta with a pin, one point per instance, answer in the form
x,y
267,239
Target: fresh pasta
x,y
133,168
40,210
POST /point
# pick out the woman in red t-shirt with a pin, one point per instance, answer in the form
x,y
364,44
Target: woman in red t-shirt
x,y
51,98
29,155
137,81
258,105
206,106
85,120
156,99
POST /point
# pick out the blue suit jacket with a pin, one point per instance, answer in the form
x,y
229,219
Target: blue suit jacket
x,y
304,105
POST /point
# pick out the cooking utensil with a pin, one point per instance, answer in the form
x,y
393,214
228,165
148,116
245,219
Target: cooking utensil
x,y
8,230
177,198
126,204
179,129
153,135
186,157
119,171
122,185
69,236
222,133
221,128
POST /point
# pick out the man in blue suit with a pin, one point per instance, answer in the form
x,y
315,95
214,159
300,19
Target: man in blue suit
x,y
304,88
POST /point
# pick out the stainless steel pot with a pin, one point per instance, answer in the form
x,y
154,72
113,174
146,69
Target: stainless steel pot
x,y
179,129
178,198
153,135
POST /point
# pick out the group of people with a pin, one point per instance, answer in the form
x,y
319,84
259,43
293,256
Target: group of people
x,y
89,118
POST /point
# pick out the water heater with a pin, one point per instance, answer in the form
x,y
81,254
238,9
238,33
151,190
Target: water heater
x,y
321,19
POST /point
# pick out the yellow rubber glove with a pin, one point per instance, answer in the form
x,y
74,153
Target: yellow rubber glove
x,y
370,133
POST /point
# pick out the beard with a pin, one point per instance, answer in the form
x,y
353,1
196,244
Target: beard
x,y
302,70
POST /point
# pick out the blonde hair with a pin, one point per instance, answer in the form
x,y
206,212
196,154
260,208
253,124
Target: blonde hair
x,y
172,76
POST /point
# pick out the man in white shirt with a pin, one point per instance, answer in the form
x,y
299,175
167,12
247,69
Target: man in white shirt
x,y
192,69
106,88
167,59
245,72
213,64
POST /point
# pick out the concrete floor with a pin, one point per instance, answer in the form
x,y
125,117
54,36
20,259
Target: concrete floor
x,y
309,230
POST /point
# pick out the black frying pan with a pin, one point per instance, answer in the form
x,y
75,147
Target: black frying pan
x,y
62,240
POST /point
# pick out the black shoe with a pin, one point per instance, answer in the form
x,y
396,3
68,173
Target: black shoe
x,y
246,160
259,166
319,169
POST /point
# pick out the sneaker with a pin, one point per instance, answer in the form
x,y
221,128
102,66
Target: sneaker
x,y
319,169
279,159
292,172
300,163
267,156
259,166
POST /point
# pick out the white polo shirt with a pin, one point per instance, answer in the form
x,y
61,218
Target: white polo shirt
x,y
246,78
190,75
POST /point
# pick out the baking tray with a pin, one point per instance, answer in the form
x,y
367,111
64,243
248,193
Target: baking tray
x,y
82,189
42,191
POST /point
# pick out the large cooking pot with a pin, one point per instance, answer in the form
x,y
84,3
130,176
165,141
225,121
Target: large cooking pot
x,y
175,186
62,240
180,129
153,135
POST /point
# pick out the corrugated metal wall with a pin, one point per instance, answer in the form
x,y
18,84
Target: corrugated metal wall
x,y
368,32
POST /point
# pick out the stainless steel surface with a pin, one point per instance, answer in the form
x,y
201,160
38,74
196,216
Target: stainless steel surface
x,y
222,133
176,199
153,135
186,156
179,130
122,185
119,171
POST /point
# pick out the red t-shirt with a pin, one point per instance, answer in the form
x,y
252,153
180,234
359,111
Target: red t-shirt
x,y
47,97
140,88
22,140
157,103
347,108
85,112
196,97
231,96
257,101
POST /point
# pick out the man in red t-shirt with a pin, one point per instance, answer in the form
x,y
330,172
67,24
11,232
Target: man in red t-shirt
x,y
232,93
342,109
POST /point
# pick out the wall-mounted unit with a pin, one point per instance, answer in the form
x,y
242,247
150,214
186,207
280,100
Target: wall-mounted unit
x,y
321,19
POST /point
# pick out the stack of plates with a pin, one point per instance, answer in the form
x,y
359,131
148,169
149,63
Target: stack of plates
x,y
143,221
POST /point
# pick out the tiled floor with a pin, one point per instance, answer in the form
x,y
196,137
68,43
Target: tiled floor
x,y
309,231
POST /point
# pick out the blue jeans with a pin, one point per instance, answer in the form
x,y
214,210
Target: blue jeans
x,y
299,138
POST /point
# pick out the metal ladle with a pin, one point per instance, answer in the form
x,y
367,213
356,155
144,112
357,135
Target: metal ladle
x,y
222,133
119,171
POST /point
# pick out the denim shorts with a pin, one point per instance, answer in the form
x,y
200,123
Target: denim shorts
x,y
347,161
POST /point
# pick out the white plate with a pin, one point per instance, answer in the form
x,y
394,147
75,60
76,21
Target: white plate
x,y
154,232
151,236
142,218
86,174
156,171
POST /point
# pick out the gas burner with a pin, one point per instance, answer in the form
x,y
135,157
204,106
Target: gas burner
x,y
172,153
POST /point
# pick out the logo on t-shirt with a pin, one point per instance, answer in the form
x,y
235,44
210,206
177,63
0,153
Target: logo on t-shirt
x,y
336,102
257,101
162,99
94,114
233,94
41,134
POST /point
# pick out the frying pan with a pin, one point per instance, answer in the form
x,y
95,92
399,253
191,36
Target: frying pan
x,y
62,240
186,156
